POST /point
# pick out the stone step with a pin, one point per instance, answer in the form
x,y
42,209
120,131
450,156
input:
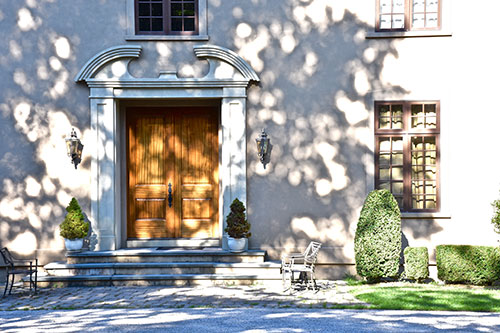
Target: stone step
x,y
153,279
169,255
148,268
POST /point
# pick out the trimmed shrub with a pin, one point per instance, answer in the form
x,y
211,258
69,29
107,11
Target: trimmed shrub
x,y
377,242
416,263
468,264
495,219
237,224
74,225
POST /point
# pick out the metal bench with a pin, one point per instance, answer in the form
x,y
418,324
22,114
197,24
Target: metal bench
x,y
19,267
302,263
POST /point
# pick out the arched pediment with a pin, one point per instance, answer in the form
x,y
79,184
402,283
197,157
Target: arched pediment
x,y
225,65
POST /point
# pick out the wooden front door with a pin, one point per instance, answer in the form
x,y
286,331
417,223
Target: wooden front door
x,y
172,173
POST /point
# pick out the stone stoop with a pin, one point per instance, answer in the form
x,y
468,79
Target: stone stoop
x,y
126,267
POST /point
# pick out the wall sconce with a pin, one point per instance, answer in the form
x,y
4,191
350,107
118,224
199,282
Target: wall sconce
x,y
264,147
74,148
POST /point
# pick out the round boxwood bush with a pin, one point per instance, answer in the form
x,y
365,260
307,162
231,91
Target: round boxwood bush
x,y
377,242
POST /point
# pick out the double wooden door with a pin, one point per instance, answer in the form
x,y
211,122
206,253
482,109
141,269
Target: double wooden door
x,y
172,173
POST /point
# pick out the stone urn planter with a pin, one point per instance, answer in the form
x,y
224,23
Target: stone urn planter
x,y
237,245
73,244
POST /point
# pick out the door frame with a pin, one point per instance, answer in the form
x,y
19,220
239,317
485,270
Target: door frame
x,y
111,85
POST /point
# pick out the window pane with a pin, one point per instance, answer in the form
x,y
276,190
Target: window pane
x,y
157,9
397,173
430,158
144,24
385,6
384,158
397,123
397,158
418,5
157,24
398,6
397,110
385,21
430,143
144,9
397,188
176,9
384,173
189,9
430,110
430,187
398,21
384,111
417,143
399,200
430,173
417,172
418,21
432,5
385,144
397,143
189,24
431,20
417,158
430,202
176,24
417,116
418,202
384,123
417,187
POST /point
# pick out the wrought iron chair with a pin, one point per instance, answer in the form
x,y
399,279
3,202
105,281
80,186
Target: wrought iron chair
x,y
19,267
302,263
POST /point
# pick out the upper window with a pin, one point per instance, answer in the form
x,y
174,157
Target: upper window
x,y
407,153
406,15
166,17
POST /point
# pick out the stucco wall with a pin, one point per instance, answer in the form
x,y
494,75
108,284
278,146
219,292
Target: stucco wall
x,y
320,76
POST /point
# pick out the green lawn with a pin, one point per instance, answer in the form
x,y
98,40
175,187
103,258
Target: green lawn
x,y
403,296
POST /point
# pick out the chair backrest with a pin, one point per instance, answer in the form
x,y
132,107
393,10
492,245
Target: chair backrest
x,y
312,256
7,257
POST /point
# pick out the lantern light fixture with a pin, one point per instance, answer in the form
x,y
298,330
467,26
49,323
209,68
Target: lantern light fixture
x,y
74,148
263,147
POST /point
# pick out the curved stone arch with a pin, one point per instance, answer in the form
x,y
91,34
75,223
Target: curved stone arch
x,y
226,55
103,58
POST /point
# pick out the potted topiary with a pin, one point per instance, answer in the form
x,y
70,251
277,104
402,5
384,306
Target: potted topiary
x,y
74,228
238,227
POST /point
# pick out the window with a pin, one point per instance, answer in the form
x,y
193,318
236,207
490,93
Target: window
x,y
406,15
166,17
407,153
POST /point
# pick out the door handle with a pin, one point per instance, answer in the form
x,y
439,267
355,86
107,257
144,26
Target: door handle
x,y
170,198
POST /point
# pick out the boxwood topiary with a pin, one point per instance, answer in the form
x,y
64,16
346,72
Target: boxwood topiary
x,y
416,263
74,225
468,264
377,242
237,224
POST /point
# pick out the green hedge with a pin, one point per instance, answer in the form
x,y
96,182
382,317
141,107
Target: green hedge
x,y
416,263
377,242
468,264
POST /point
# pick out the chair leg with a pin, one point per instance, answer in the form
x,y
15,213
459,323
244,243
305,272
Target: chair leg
x,y
12,283
6,285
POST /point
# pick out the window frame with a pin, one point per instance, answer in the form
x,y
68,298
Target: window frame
x,y
167,20
407,133
408,26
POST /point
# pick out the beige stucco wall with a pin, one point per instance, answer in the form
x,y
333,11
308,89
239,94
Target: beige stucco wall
x,y
319,78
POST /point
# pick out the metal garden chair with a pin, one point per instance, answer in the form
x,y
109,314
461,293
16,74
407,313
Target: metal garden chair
x,y
302,263
19,267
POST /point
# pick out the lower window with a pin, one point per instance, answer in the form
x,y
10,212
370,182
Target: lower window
x,y
407,153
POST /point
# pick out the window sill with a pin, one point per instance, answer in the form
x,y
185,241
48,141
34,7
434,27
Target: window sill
x,y
425,216
407,34
166,38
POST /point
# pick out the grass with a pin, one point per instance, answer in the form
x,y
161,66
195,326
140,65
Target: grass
x,y
404,296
